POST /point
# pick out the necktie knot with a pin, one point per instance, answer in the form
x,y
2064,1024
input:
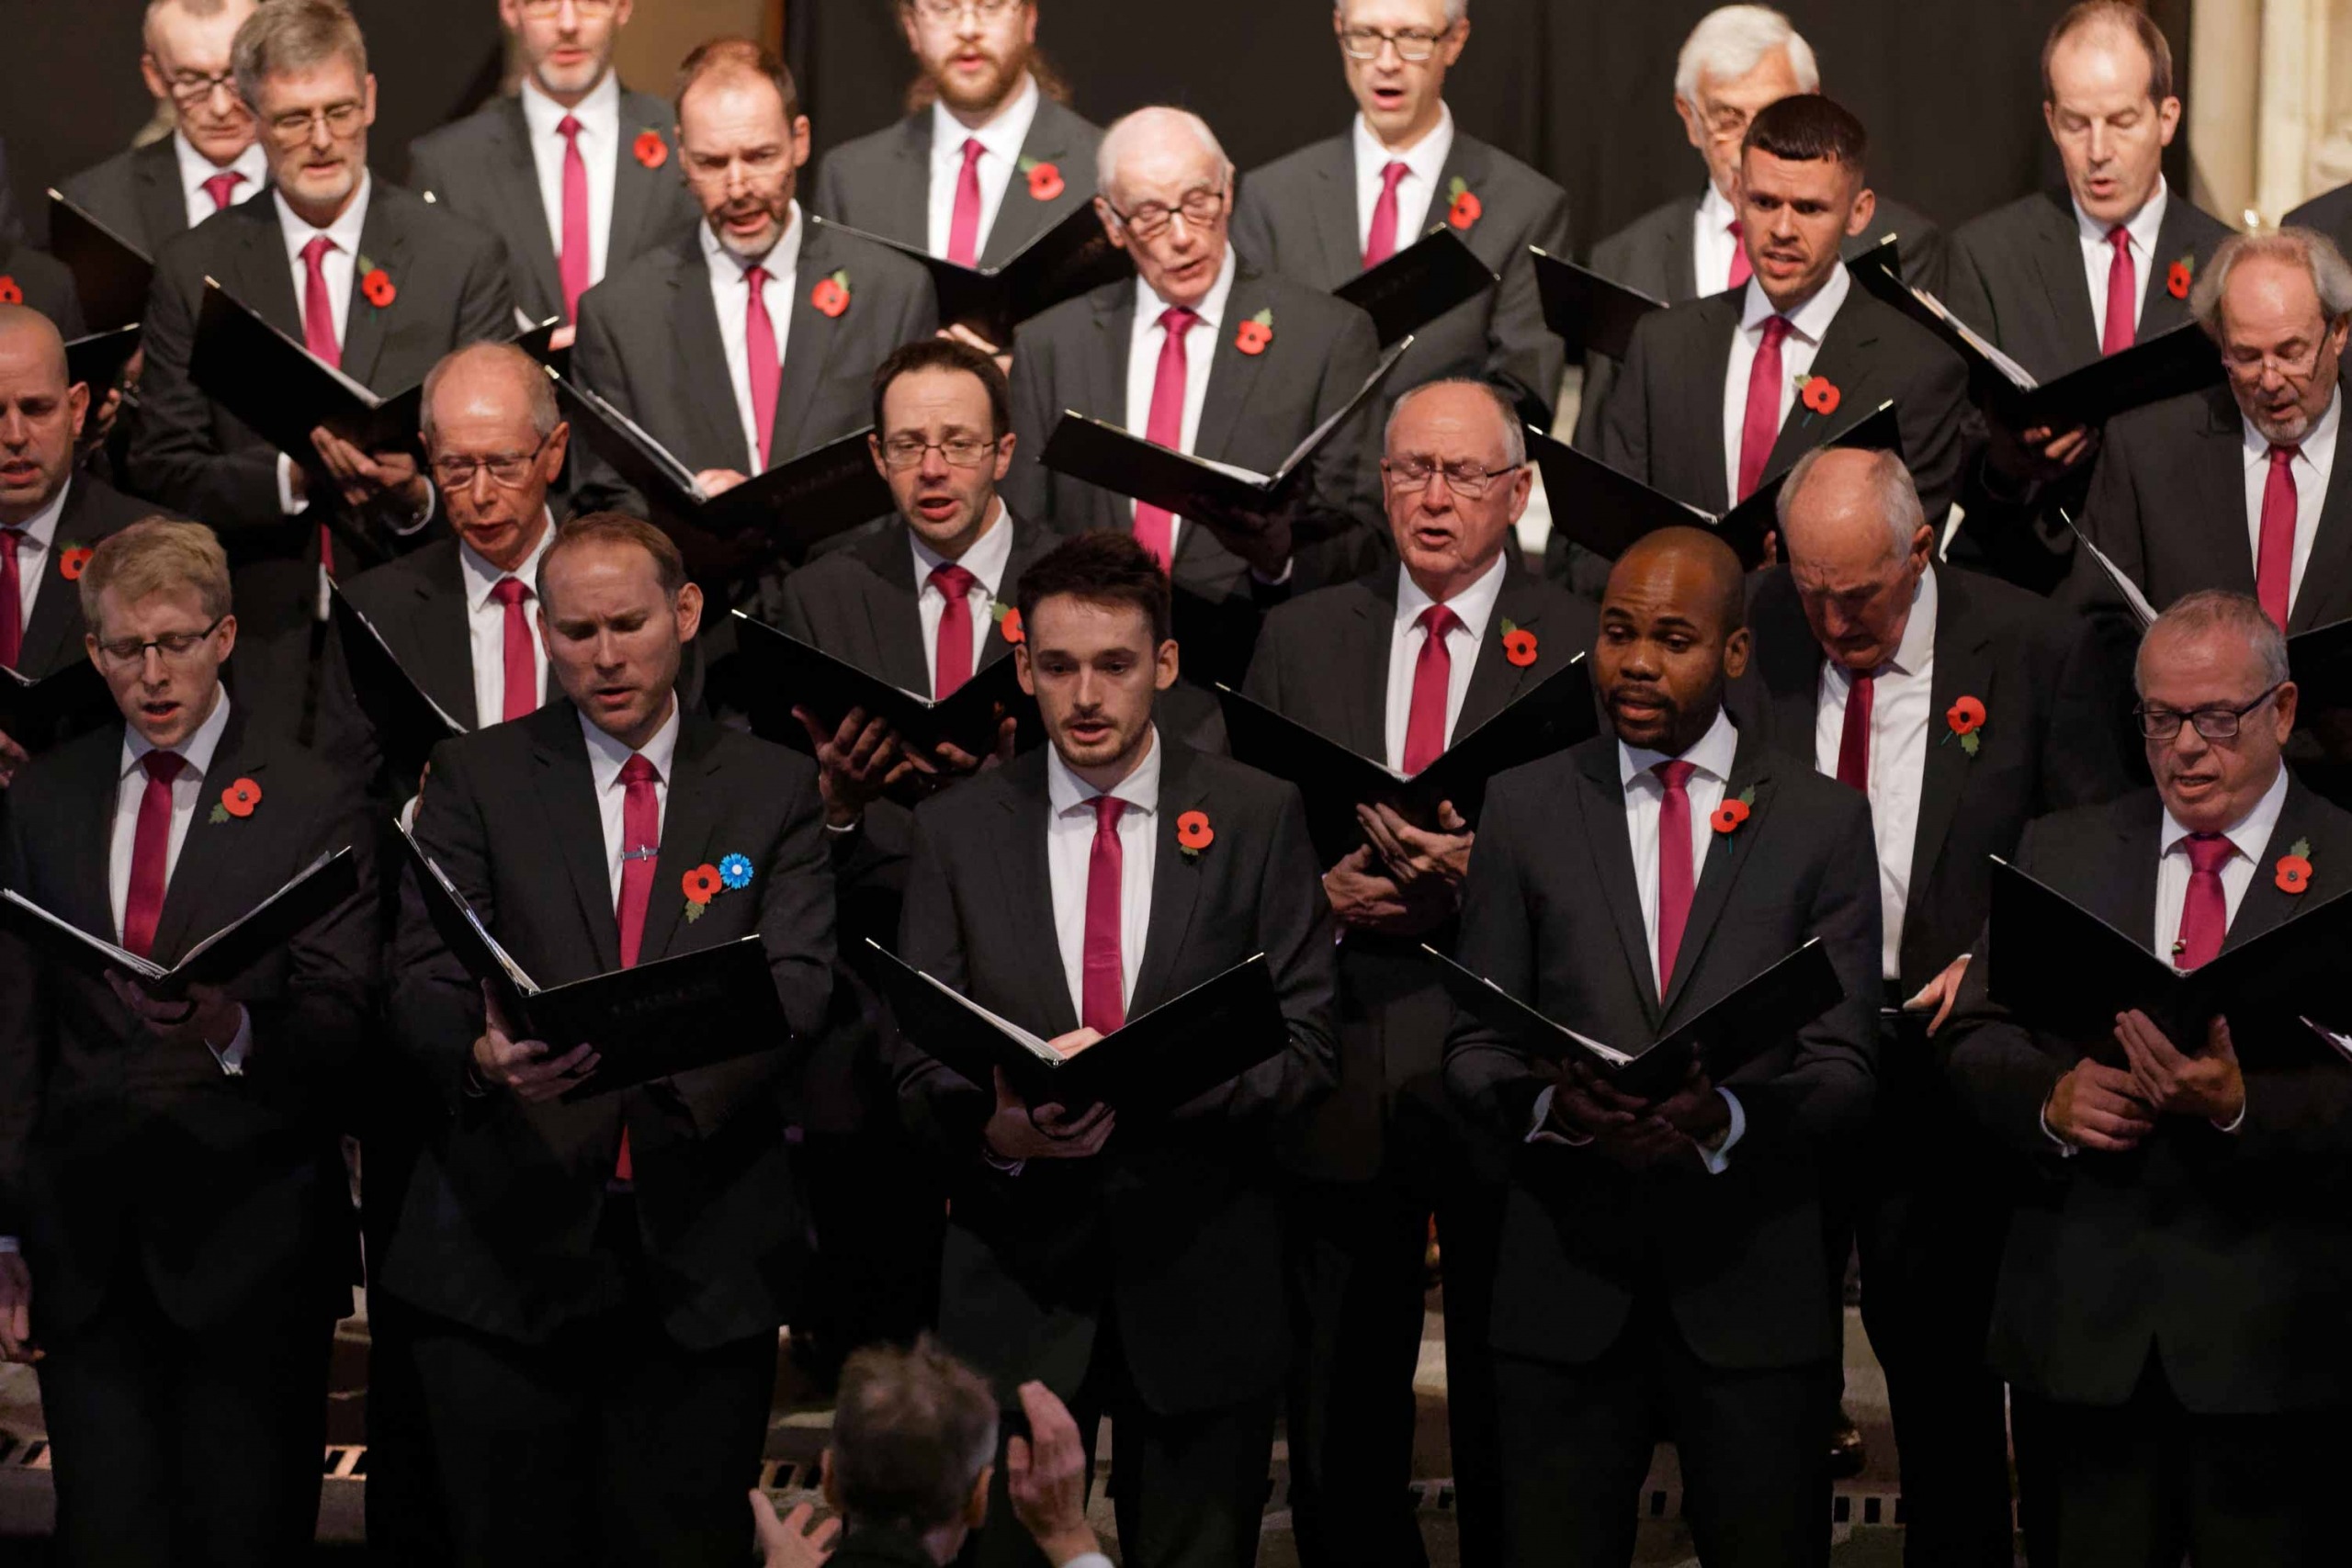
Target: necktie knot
x,y
2280,456
755,278
567,127
954,582
1776,331
1178,319
2121,238
511,592
222,187
1676,774
2208,852
163,766
1107,812
315,253
637,770
973,152
1394,175
1438,621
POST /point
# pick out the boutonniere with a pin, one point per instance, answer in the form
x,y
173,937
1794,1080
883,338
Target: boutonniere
x,y
651,150
1252,336
9,293
71,559
1007,621
376,285
831,294
1194,834
1045,179
1965,718
731,875
1734,811
1463,207
1819,393
238,800
1519,645
2180,275
2294,868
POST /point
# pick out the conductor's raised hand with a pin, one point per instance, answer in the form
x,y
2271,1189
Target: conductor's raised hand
x,y
525,1068
1046,1478
790,1541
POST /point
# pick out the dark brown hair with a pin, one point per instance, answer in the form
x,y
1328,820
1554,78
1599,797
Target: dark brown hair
x,y
1104,566
617,528
912,1430
719,56
945,353
2134,20
1805,126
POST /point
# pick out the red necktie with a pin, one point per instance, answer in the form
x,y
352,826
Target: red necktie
x,y
1101,987
151,852
520,683
222,188
1381,243
1740,271
964,228
1155,528
317,305
2122,293
2205,913
572,262
1761,425
2274,552
1432,675
640,849
1674,877
954,648
766,364
11,601
1854,740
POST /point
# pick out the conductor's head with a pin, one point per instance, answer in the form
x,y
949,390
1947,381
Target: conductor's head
x,y
1673,630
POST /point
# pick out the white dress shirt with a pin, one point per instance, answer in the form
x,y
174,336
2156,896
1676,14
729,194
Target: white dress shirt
x,y
1200,348
34,547
1425,163
1070,847
196,168
606,757
486,625
991,554
599,115
1001,141
2314,461
2250,836
731,293
1474,609
1902,704
339,265
1712,246
2098,257
1807,324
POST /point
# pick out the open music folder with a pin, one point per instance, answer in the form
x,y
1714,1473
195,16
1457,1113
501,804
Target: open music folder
x,y
284,392
1073,257
68,701
782,672
1419,283
407,721
1591,314
111,275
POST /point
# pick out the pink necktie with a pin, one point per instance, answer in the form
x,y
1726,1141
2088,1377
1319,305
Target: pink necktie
x,y
520,681
573,261
953,652
1432,675
2274,554
2122,293
1155,528
222,188
1854,739
767,364
641,850
151,850
1674,878
317,305
11,601
2205,913
964,228
1760,427
1102,985
1381,243
1740,271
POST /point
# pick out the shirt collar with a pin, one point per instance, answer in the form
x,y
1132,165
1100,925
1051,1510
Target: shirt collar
x,y
1712,756
40,528
2250,834
345,230
599,113
1810,320
1715,213
1211,310
988,558
1475,604
782,261
606,755
1426,158
1005,134
196,168
2320,437
2143,225
1066,792
196,751
482,576
1918,644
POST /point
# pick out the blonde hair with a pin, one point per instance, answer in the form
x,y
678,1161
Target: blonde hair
x,y
156,555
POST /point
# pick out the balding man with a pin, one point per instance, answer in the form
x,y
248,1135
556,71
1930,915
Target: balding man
x,y
213,158
1661,1265
2174,1281
1165,357
1869,656
1423,641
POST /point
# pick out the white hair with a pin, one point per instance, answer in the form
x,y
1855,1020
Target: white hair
x,y
2313,252
1732,40
1145,124
1506,412
1897,499
1454,10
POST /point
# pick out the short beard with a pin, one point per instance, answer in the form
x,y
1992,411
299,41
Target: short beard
x,y
998,90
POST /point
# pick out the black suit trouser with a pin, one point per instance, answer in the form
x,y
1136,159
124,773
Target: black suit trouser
x,y
879,1210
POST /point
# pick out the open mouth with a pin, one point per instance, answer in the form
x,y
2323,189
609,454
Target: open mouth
x,y
937,508
1088,731
19,471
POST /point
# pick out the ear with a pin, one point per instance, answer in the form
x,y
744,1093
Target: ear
x,y
874,451
2285,702
800,142
558,443
1111,225
828,1483
152,74
1167,665
976,1502
1865,208
1735,648
367,96
689,611
1004,447
1021,666
1691,128
228,635
2167,120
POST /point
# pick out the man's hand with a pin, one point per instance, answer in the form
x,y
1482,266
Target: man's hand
x,y
1018,1132
1694,1109
970,338
2097,1106
1262,540
1361,898
2211,1086
1415,856
2038,454
857,763
952,759
12,757
367,478
1046,1475
563,337
206,1019
17,1308
1587,1105
789,1542
523,1066
719,481
1939,994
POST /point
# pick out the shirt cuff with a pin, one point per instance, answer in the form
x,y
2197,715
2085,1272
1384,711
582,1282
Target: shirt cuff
x,y
2065,1149
997,1163
1537,1133
1717,1158
286,500
1278,579
231,1056
2235,1122
432,507
1088,1559
9,1244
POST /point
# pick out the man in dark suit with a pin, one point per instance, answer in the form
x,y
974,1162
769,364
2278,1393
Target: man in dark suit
x,y
1134,1268
213,158
1662,1267
637,1286
180,1241
1721,393
294,259
1361,664
569,173
755,337
2330,213
1324,213
2175,1277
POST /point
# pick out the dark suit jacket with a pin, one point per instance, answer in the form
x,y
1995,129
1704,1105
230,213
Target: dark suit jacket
x,y
1323,661
124,1160
135,193
648,342
93,510
2033,668
2330,213
1666,417
1297,216
2227,1256
46,286
1551,914
500,1226
1174,1229
881,183
481,169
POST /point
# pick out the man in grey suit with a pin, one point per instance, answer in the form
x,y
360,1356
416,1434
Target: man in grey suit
x,y
571,172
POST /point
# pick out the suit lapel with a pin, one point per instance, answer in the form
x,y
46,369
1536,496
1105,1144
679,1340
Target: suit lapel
x,y
694,326
1020,217
688,820
382,245
265,277
1027,887
634,184
1494,679
162,206
893,615
1964,668
810,347
1601,800
1703,400
2218,458
1175,879
517,176
2129,902
444,640
567,795
1363,716
1844,361
1333,207
1233,374
2266,906
2058,256
54,634
88,848
907,191
2159,311
205,881
2328,573
1678,265
1726,856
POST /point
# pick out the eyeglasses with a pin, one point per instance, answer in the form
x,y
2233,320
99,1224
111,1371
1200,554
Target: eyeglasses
x,y
585,8
904,452
2250,366
1148,222
1413,44
190,89
945,12
511,469
342,122
174,647
2214,724
1468,481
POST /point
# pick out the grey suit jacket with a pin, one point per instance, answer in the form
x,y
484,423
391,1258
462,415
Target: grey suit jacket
x,y
882,183
137,194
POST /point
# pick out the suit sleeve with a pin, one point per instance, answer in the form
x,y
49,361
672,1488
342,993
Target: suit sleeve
x,y
1253,229
435,1006
1625,424
2000,1072
1937,420
1524,357
175,457
1028,487
1486,1073
425,175
313,1033
486,295
1921,254
826,201
1965,290
942,1108
596,364
1345,466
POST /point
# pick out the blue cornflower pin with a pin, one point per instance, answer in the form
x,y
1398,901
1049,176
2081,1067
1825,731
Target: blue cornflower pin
x,y
735,870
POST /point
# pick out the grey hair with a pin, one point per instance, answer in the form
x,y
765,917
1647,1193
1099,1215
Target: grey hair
x,y
2330,276
1454,10
284,36
2215,609
538,390
1128,127
1898,497
1514,436
1731,41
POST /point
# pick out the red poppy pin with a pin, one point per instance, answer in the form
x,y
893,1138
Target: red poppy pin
x,y
1820,394
2294,867
71,559
1463,207
1194,834
702,884
1252,336
376,285
238,800
1965,718
9,293
2180,275
1519,645
1734,811
831,294
1045,179
651,150
1007,621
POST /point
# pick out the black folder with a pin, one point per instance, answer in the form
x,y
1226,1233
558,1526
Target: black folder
x,y
655,1020
407,721
1418,285
276,920
1147,1067
781,672
281,390
70,700
1593,315
1731,1031
1073,257
110,275
1556,714
96,361
538,340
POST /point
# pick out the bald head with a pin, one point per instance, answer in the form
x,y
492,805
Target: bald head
x,y
1858,545
1167,200
496,441
31,341
489,376
1155,142
40,415
1673,631
1708,586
